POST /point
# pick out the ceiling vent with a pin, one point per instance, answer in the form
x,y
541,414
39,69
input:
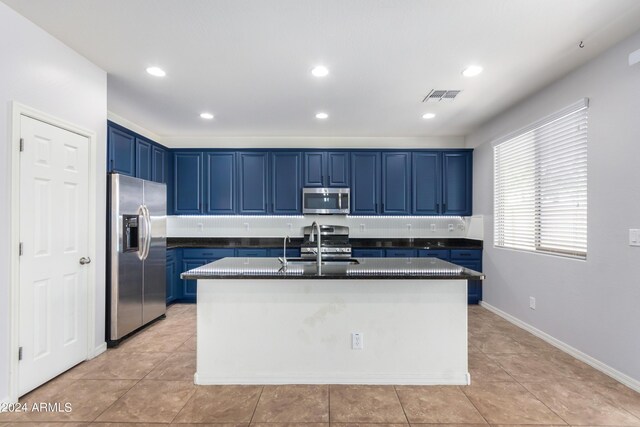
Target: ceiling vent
x,y
437,95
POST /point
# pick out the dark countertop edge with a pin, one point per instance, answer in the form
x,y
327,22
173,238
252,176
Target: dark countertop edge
x,y
363,243
328,277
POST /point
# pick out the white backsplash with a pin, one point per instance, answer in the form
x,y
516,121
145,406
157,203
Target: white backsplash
x,y
359,226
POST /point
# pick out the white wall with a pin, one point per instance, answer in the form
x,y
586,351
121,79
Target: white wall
x,y
40,72
591,305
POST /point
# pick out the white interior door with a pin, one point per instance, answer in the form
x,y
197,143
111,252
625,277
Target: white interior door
x,y
54,206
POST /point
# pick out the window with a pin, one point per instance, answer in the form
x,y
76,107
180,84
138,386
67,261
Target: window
x,y
540,185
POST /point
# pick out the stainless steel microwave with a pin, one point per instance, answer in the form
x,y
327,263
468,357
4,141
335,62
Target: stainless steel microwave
x,y
326,201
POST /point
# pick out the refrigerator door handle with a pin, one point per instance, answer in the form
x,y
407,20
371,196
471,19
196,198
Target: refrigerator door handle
x,y
147,240
143,235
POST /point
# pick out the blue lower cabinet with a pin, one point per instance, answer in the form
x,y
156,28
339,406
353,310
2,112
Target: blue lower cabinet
x,y
278,252
368,253
252,253
401,253
172,275
470,258
442,254
197,257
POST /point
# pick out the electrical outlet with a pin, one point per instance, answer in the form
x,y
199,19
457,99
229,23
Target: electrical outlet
x,y
200,226
361,227
634,237
450,227
532,303
433,227
357,341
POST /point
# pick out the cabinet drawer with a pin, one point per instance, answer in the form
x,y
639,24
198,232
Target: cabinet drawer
x,y
251,253
278,252
402,253
458,254
368,253
191,253
442,254
472,264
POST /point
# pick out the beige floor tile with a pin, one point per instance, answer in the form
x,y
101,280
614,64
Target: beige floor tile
x,y
533,367
291,425
365,404
88,399
98,424
44,424
213,425
365,425
150,401
620,394
178,366
293,404
483,369
437,404
188,346
578,404
221,404
498,343
509,403
117,364
153,343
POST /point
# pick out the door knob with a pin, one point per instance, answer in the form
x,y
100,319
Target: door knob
x,y
84,260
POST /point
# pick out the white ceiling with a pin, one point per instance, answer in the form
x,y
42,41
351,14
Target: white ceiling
x,y
249,62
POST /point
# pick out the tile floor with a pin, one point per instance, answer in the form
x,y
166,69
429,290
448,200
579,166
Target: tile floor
x,y
517,379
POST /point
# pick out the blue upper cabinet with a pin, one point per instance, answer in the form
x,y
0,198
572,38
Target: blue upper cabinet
x,y
220,188
457,182
187,177
286,182
122,152
365,182
159,164
337,169
314,169
143,159
326,169
426,183
253,188
396,183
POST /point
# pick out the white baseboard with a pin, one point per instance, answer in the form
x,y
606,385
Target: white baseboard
x,y
583,357
372,379
97,351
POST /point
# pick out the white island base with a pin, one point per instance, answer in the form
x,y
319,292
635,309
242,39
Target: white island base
x,y
299,331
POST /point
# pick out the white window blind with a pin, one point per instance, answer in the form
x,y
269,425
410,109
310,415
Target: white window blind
x,y
540,185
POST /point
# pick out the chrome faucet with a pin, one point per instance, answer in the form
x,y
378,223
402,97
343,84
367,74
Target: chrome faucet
x,y
315,227
283,260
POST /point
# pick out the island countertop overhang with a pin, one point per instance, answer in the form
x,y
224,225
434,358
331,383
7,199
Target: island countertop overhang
x,y
365,268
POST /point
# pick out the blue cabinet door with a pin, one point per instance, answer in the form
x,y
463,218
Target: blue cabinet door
x,y
426,179
187,178
368,253
253,188
401,253
457,179
365,182
143,159
337,169
159,164
314,169
220,179
171,272
190,287
286,182
122,152
442,254
252,252
396,183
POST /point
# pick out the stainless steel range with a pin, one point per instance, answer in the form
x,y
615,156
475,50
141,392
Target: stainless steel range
x,y
334,243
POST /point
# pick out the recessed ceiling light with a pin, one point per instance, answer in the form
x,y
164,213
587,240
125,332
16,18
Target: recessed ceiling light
x,y
472,71
320,71
156,71
428,116
207,116
322,116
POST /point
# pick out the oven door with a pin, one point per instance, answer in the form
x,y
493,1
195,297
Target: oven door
x,y
326,201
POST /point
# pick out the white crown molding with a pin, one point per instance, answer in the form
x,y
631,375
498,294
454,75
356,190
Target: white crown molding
x,y
134,127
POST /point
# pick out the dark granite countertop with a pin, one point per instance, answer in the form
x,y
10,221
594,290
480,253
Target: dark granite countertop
x,y
276,242
363,268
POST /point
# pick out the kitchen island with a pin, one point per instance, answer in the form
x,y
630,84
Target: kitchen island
x,y
259,322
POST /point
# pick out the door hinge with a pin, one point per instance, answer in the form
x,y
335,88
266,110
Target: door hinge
x,y
21,144
20,249
19,353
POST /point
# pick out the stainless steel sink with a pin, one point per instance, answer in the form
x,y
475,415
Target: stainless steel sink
x,y
304,261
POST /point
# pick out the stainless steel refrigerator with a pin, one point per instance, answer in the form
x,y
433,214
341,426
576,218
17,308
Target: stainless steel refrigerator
x,y
136,286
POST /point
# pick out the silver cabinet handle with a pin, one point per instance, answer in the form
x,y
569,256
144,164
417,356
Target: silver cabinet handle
x,y
84,260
